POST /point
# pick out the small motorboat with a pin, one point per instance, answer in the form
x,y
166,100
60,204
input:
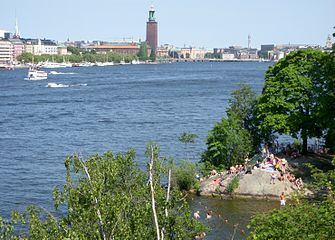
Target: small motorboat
x,y
36,74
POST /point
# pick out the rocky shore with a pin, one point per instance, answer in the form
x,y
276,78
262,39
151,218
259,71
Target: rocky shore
x,y
255,184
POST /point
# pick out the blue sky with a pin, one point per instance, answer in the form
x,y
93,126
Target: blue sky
x,y
211,23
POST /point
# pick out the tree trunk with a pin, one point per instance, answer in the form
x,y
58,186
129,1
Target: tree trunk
x,y
153,204
101,226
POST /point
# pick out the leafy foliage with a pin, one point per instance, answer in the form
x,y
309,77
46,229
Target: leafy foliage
x,y
107,197
143,52
233,185
304,220
242,105
227,143
326,89
183,176
76,58
289,101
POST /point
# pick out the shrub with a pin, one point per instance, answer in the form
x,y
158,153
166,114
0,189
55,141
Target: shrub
x,y
183,176
233,185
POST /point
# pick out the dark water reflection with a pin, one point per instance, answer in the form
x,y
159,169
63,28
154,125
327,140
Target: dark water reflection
x,y
228,213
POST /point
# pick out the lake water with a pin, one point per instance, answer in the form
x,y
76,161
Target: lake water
x,y
106,108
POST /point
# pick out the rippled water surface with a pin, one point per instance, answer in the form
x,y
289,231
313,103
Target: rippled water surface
x,y
105,108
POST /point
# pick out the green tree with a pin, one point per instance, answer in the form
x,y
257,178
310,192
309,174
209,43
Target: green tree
x,y
326,88
242,104
153,55
25,57
301,221
143,52
73,50
108,197
289,100
184,176
227,143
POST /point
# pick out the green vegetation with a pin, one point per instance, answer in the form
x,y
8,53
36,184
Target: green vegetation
x,y
183,176
289,103
302,219
233,185
228,143
231,140
143,53
109,197
77,58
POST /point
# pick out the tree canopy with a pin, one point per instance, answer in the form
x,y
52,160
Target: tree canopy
x,y
290,97
228,143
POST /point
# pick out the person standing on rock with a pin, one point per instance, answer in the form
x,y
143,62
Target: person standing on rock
x,y
282,199
273,178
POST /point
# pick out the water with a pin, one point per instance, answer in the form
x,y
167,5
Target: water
x,y
229,216
105,108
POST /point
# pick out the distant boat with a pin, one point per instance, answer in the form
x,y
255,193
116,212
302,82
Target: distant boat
x,y
135,61
36,74
56,85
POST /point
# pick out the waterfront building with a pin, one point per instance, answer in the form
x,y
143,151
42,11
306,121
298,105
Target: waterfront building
x,y
162,52
62,50
40,46
18,48
192,53
132,48
152,34
6,52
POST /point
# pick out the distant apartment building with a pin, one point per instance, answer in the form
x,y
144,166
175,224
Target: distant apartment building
x,y
162,52
247,53
62,50
18,48
131,48
192,53
6,52
236,52
40,46
279,51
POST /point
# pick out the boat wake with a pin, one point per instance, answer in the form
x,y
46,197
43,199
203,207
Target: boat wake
x,y
60,85
61,73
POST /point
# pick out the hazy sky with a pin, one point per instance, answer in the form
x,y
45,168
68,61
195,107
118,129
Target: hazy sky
x,y
211,23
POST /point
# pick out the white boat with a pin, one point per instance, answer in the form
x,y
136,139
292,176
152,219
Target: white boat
x,y
135,61
36,74
56,85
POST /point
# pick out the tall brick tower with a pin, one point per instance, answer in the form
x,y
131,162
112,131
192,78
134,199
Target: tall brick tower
x,y
152,39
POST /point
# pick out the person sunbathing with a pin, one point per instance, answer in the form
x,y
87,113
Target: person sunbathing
x,y
299,183
290,177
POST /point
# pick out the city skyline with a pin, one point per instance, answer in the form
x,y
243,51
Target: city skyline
x,y
211,24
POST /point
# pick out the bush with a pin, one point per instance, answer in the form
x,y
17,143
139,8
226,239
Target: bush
x,y
183,176
233,185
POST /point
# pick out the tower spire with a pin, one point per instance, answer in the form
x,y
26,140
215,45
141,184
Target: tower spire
x,y
249,41
17,33
152,13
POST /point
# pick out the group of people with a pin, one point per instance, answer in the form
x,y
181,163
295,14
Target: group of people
x,y
196,214
297,181
238,168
